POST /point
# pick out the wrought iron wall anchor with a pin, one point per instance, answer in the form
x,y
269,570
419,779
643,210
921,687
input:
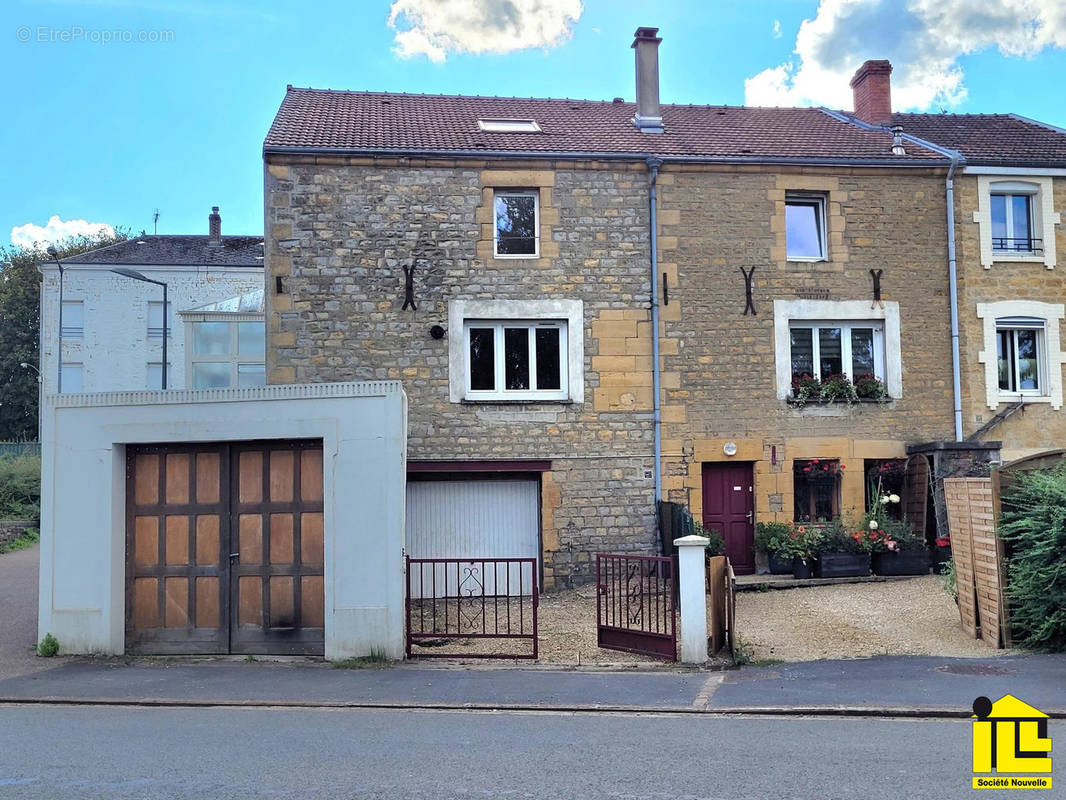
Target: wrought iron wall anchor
x,y
749,304
409,288
876,275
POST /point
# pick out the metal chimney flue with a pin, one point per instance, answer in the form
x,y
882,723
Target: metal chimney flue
x,y
648,118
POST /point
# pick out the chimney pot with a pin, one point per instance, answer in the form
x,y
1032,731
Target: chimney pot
x,y
214,227
648,118
872,91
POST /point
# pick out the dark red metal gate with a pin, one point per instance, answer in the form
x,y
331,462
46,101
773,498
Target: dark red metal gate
x,y
451,602
635,606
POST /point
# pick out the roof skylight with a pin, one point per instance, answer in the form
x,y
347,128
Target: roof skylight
x,y
508,125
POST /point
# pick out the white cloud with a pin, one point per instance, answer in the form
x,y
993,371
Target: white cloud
x,y
922,38
435,28
777,29
32,236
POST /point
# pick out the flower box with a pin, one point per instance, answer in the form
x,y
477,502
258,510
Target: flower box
x,y
779,565
907,562
843,565
801,570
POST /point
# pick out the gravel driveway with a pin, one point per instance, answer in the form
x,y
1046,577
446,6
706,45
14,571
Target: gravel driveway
x,y
907,617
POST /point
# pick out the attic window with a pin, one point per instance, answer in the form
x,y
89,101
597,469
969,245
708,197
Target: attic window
x,y
508,125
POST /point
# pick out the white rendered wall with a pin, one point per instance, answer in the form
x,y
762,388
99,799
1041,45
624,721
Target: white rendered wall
x,y
363,428
115,349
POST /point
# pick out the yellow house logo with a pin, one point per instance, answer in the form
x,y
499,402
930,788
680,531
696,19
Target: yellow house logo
x,y
1010,736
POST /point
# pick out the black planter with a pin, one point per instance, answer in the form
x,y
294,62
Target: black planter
x,y
779,565
909,562
941,555
843,565
801,570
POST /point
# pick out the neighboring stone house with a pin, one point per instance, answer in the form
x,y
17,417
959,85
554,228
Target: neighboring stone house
x,y
500,257
112,331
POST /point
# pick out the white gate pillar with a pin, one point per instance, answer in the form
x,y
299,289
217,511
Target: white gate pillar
x,y
692,583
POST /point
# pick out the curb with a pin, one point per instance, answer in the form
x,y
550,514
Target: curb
x,y
894,712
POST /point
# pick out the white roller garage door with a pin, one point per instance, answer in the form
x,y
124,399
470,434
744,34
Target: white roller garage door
x,y
473,519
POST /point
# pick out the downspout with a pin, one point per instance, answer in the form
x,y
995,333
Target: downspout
x,y
653,165
953,289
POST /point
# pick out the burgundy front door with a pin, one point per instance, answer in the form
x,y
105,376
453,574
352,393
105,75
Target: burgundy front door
x,y
729,507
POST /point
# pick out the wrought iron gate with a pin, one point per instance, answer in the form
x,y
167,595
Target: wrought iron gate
x,y
635,604
451,602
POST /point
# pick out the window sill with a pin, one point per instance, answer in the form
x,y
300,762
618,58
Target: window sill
x,y
1017,258
517,257
861,401
526,401
806,260
1012,398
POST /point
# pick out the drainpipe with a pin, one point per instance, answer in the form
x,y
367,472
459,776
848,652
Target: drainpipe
x,y
653,166
953,282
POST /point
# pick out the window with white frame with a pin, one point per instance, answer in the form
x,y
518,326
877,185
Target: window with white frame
x,y
1020,355
517,223
1012,222
155,319
224,354
154,377
73,378
516,360
73,319
1016,218
805,227
823,349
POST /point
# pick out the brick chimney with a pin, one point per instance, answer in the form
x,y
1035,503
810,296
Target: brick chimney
x,y
214,227
648,118
872,88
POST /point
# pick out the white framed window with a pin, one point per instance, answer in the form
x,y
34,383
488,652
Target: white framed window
x,y
1016,219
155,319
154,376
73,319
224,354
1022,352
518,350
1020,355
516,227
822,349
500,125
848,334
73,378
805,227
516,360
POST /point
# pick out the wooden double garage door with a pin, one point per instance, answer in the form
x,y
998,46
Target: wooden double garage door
x,y
224,548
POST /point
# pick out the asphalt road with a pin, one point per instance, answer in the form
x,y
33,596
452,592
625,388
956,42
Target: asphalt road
x,y
101,752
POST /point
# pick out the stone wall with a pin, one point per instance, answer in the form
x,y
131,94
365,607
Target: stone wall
x,y
1040,426
10,530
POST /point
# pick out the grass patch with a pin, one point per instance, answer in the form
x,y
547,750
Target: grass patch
x,y
745,658
28,539
376,660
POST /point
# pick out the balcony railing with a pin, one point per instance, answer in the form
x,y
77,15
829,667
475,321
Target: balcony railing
x,y
1003,244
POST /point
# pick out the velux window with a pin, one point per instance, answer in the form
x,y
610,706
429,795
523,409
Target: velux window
x,y
515,360
1020,354
824,349
517,216
1012,224
805,227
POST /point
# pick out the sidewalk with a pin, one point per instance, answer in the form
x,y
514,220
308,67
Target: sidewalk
x,y
894,686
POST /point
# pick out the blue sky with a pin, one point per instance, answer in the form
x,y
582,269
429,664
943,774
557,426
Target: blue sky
x,y
108,131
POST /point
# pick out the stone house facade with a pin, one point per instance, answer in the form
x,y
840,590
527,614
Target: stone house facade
x,y
499,256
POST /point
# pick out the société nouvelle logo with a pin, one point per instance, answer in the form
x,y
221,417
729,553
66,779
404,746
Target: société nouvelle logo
x,y
1011,746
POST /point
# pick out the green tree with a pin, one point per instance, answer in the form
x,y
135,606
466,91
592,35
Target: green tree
x,y
20,303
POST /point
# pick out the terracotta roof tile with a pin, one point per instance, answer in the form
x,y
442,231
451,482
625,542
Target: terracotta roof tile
x,y
316,119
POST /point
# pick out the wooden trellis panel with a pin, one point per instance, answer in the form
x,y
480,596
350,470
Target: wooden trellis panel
x,y
977,556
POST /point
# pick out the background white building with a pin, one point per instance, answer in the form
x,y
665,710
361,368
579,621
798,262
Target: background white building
x,y
112,336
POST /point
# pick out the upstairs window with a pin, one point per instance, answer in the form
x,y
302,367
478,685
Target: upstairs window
x,y
515,360
226,354
805,227
1012,223
73,319
155,320
824,349
1020,355
500,125
517,223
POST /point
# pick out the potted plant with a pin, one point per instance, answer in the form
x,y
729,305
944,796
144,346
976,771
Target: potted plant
x,y
844,551
806,388
869,387
804,542
837,389
715,542
897,549
942,551
772,538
